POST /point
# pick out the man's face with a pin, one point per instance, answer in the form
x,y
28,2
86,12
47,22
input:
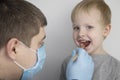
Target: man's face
x,y
27,57
89,31
38,40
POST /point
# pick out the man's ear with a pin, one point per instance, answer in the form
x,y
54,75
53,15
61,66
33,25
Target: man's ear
x,y
11,48
107,30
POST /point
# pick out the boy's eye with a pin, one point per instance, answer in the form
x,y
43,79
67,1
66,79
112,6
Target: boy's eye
x,y
76,28
89,27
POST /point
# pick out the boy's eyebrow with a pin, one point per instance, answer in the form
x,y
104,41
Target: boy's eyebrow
x,y
74,25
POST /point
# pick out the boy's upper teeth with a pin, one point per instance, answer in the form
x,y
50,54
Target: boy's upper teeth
x,y
84,43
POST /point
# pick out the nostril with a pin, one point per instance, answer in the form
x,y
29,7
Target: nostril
x,y
82,33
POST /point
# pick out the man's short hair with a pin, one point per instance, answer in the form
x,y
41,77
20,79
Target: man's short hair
x,y
19,19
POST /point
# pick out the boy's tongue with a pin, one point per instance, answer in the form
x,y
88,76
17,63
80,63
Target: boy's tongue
x,y
84,44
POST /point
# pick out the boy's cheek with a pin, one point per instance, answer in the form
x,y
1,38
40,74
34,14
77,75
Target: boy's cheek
x,y
75,35
76,42
75,39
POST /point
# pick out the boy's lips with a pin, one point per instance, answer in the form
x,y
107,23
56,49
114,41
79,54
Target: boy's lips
x,y
84,43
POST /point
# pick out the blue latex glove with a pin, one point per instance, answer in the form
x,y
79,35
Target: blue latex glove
x,y
82,68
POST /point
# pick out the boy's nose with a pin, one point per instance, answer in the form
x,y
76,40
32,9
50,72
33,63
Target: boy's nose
x,y
82,32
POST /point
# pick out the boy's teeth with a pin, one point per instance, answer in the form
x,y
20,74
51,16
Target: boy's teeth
x,y
84,44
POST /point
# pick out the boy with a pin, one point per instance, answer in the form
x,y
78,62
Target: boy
x,y
22,53
91,25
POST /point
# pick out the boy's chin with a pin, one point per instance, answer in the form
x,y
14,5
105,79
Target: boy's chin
x,y
86,49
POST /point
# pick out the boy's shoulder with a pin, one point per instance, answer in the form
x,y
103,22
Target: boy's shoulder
x,y
66,60
116,64
115,61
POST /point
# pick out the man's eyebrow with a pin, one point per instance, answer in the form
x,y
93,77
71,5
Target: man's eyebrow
x,y
41,42
44,37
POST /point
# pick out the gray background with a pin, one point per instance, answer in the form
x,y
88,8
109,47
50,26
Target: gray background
x,y
59,42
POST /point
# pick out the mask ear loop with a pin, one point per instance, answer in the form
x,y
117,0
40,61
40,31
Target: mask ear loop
x,y
17,62
28,47
33,50
19,65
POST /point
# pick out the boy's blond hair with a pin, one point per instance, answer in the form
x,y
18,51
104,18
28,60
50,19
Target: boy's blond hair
x,y
87,5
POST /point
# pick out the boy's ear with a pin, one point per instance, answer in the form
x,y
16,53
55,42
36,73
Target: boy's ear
x,y
11,48
107,30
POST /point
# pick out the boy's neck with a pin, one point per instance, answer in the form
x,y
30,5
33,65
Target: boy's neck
x,y
100,51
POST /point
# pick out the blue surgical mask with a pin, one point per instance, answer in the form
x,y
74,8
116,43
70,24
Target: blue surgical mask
x,y
29,73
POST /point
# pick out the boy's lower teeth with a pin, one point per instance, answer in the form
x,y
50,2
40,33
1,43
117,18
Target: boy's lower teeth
x,y
82,46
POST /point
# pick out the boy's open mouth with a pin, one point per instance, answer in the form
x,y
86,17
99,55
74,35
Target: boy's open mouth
x,y
84,44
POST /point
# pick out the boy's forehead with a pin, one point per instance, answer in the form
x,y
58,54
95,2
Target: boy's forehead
x,y
84,14
88,18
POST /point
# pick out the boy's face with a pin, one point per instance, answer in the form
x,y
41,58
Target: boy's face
x,y
89,31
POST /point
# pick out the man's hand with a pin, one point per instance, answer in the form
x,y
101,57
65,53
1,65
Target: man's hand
x,y
82,68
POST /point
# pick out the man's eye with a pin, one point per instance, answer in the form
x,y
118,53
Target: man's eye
x,y
41,43
76,28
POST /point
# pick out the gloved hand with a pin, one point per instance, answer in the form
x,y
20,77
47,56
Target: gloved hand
x,y
82,68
